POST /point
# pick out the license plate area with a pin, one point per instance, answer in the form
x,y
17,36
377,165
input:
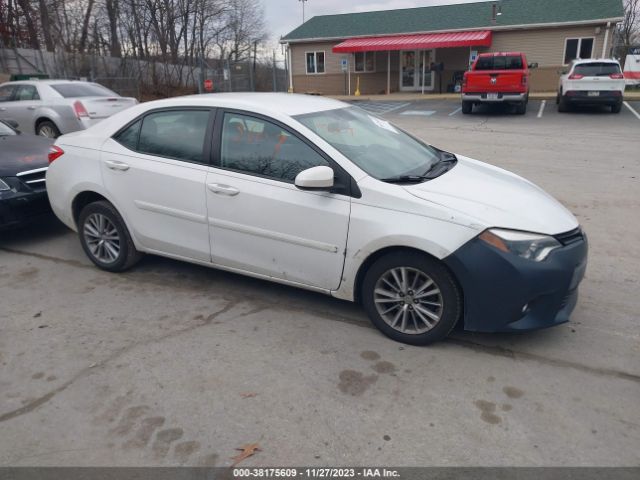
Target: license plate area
x,y
492,96
593,94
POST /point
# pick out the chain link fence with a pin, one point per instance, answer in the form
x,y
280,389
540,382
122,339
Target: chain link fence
x,y
148,79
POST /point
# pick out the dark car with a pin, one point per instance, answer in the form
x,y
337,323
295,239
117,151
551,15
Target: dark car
x,y
23,166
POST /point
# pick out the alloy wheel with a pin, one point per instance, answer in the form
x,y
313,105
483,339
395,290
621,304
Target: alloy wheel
x,y
102,238
47,131
408,300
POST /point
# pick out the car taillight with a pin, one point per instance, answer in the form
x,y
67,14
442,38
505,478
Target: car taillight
x,y
617,76
464,80
575,76
524,80
54,152
81,112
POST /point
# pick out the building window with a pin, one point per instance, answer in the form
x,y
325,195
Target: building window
x,y
577,48
315,62
365,62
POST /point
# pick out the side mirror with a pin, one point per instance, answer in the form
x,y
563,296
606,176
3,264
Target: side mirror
x,y
533,65
316,178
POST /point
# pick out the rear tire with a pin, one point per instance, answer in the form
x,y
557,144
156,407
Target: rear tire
x,y
47,129
411,298
563,105
616,108
521,108
105,239
467,107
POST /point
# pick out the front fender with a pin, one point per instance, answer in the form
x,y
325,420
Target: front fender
x,y
372,230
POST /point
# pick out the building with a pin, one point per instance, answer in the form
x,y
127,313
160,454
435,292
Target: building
x,y
428,48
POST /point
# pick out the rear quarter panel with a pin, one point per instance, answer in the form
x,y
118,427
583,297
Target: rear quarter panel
x,y
76,171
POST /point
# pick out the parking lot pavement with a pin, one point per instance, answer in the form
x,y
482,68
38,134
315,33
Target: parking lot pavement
x,y
177,364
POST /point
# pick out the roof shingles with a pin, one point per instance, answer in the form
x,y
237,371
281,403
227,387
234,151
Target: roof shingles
x,y
455,17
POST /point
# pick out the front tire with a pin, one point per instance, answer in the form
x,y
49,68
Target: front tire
x,y
412,298
47,129
105,239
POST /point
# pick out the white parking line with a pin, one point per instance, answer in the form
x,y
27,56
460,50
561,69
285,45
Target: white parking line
x,y
424,113
542,105
455,111
626,104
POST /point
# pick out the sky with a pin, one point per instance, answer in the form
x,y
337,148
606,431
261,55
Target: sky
x,y
282,16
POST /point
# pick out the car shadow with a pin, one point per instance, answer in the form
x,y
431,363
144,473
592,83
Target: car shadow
x,y
495,110
43,228
236,288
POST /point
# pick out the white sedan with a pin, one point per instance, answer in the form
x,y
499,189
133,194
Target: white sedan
x,y
318,194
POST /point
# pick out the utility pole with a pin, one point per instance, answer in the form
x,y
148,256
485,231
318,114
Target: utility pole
x,y
303,2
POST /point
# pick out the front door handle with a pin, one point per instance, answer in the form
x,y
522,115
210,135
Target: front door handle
x,y
221,189
31,108
114,165
2,109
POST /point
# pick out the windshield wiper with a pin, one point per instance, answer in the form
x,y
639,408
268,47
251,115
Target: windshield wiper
x,y
405,179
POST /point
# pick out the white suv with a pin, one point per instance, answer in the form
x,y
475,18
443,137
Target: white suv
x,y
592,82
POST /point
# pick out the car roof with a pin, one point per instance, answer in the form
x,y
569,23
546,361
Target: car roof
x,y
283,103
44,82
499,54
581,61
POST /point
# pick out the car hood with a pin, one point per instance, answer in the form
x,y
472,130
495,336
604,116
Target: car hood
x,y
493,197
23,152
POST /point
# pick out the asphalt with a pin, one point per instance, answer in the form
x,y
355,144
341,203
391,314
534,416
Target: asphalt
x,y
174,364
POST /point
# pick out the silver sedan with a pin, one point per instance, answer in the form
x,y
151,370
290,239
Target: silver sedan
x,y
54,107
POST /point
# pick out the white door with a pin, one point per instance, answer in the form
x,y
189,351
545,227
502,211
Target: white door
x,y
155,171
260,222
411,69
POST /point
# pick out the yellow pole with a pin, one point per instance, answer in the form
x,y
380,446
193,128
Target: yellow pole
x,y
357,93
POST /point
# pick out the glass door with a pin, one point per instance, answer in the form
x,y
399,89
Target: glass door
x,y
411,68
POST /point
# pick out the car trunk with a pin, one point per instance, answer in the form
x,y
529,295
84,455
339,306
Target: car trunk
x,y
103,107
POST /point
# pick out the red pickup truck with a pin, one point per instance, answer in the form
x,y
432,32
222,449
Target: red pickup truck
x,y
497,78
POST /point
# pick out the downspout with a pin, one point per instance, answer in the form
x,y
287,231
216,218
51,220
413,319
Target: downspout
x,y
290,68
606,40
388,72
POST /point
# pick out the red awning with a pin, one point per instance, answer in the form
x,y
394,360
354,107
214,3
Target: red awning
x,y
480,38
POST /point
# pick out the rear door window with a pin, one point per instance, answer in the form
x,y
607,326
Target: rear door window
x,y
178,134
77,90
27,92
597,69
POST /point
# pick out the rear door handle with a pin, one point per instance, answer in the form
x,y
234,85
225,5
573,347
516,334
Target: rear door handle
x,y
2,109
220,189
31,108
114,165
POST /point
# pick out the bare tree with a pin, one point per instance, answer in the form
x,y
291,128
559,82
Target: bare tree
x,y
629,29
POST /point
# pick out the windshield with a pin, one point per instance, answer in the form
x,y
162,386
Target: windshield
x,y
6,130
75,90
373,144
601,69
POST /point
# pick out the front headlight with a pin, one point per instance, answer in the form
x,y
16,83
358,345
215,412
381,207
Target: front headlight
x,y
531,246
3,186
